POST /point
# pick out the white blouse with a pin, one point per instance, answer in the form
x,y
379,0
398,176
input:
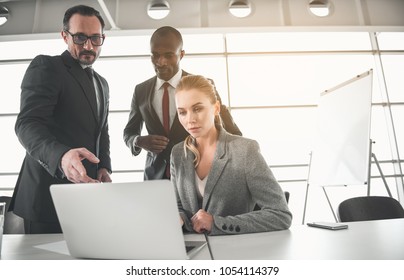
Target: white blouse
x,y
200,185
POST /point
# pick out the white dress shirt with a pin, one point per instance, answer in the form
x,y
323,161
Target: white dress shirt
x,y
158,96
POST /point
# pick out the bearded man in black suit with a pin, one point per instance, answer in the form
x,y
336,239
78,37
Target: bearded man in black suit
x,y
63,121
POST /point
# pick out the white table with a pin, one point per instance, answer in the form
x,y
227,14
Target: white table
x,y
376,240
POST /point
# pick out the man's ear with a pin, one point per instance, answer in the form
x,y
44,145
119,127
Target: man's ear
x,y
64,36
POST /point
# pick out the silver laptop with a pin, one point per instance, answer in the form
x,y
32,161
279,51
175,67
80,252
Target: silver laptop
x,y
137,220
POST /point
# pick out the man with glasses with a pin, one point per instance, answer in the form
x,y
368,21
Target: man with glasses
x,y
62,122
153,105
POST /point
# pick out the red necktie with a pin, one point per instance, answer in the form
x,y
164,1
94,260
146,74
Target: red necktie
x,y
166,108
166,119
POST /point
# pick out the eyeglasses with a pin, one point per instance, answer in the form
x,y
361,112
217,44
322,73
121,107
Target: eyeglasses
x,y
81,39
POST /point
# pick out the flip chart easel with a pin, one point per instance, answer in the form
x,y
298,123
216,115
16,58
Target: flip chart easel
x,y
342,152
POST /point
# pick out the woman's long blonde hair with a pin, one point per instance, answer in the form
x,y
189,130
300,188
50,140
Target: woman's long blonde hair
x,y
206,87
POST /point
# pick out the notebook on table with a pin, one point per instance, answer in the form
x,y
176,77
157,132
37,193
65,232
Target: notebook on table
x,y
137,220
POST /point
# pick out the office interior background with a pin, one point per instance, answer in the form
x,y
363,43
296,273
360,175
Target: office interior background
x,y
269,68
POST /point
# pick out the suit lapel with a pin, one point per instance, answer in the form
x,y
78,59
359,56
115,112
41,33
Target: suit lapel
x,y
189,182
79,74
176,127
104,99
155,118
219,162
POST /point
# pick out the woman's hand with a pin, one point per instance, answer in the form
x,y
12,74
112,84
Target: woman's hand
x,y
202,221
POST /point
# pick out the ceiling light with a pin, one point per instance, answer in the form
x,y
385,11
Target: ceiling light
x,y
158,9
320,8
3,15
240,8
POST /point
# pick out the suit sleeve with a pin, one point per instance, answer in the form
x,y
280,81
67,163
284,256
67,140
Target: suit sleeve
x,y
265,192
134,126
40,91
227,120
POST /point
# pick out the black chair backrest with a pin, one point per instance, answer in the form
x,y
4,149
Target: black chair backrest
x,y
287,194
366,208
13,224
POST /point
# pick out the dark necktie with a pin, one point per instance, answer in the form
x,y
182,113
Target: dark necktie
x,y
166,109
90,74
166,119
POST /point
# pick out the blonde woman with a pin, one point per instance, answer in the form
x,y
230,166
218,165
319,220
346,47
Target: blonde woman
x,y
220,177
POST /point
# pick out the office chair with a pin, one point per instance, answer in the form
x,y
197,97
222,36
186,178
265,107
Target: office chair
x,y
13,224
366,208
287,194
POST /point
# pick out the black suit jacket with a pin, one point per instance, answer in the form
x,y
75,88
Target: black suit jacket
x,y
58,112
142,112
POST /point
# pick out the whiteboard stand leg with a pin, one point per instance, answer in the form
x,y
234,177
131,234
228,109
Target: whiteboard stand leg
x,y
369,165
305,202
329,203
372,155
382,175
307,191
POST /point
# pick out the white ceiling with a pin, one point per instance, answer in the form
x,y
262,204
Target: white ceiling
x,y
45,16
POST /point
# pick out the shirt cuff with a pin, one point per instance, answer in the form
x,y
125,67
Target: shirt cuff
x,y
135,142
59,172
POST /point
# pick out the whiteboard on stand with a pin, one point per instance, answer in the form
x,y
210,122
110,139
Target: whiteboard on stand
x,y
342,144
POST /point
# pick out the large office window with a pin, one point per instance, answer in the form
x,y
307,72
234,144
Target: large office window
x,y
271,82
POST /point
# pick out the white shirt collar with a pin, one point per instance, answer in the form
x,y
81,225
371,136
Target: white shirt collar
x,y
173,81
84,66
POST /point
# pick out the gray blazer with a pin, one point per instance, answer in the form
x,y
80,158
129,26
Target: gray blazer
x,y
238,180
